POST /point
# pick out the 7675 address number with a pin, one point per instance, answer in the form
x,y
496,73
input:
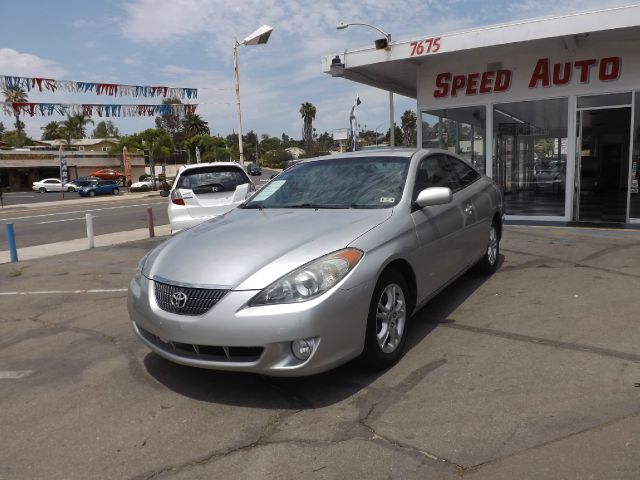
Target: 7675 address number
x,y
421,47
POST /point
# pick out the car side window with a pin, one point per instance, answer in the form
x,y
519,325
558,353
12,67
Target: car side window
x,y
465,174
435,171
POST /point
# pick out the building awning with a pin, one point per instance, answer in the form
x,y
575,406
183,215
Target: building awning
x,y
396,68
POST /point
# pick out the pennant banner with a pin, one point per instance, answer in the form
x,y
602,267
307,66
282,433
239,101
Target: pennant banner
x,y
8,82
101,110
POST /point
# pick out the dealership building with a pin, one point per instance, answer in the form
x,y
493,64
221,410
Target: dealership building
x,y
548,107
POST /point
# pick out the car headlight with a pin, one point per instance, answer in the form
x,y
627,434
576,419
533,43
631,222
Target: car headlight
x,y
310,280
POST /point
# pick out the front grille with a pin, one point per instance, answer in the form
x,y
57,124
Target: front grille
x,y
198,300
204,352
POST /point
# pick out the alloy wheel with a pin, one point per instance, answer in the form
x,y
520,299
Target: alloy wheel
x,y
391,316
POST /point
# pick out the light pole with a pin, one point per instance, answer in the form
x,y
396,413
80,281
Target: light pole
x,y
260,36
383,43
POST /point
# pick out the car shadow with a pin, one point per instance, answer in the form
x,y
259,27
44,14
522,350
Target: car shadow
x,y
439,308
260,391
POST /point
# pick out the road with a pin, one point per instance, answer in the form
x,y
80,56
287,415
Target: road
x,y
66,221
28,197
37,226
528,374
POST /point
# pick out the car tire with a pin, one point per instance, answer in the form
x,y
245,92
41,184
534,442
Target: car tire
x,y
71,189
42,190
488,264
116,191
91,193
387,322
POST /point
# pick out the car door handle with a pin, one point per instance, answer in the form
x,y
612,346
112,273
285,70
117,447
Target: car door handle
x,y
468,209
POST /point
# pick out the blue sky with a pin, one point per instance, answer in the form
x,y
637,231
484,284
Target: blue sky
x,y
188,43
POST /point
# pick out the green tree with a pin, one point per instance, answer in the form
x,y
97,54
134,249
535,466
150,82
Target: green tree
x,y
397,132
206,144
2,129
159,140
172,123
195,125
308,114
13,138
75,126
105,130
408,122
52,131
132,142
16,95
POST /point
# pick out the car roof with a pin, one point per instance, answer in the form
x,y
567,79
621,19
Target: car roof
x,y
208,164
381,152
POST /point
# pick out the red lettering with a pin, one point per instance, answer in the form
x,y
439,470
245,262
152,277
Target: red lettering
x,y
540,74
564,77
503,81
457,84
472,84
609,69
585,66
442,84
486,82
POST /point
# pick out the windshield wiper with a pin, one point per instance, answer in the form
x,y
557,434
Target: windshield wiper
x,y
312,205
254,205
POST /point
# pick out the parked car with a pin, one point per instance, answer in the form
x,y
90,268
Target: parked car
x,y
79,182
109,174
254,169
147,183
52,185
204,191
99,187
324,264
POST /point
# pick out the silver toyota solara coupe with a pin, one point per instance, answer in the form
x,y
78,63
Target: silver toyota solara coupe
x,y
325,263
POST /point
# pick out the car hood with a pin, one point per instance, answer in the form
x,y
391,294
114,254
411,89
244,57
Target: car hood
x,y
247,249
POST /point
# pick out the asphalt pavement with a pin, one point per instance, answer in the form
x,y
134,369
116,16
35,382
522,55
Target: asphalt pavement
x,y
66,221
530,374
45,219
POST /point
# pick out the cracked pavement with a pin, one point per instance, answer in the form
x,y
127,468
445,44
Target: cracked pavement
x,y
528,374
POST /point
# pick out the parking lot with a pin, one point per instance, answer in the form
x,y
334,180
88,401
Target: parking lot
x,y
528,374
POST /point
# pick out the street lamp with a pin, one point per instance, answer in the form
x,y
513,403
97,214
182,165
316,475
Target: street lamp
x,y
381,44
259,37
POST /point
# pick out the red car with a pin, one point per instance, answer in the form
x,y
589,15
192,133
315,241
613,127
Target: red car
x,y
109,174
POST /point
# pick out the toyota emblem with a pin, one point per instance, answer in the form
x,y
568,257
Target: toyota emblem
x,y
178,300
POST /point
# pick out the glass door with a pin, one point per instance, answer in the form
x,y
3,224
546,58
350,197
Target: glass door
x,y
603,164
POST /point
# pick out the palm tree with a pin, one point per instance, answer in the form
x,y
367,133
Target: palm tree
x,y
52,131
16,95
308,114
74,126
195,125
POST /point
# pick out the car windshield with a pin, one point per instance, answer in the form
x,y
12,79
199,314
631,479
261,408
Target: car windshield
x,y
228,177
362,182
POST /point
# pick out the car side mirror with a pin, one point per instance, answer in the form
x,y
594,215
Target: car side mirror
x,y
164,193
434,196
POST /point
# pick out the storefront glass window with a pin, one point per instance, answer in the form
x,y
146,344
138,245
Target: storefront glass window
x,y
458,130
530,151
634,203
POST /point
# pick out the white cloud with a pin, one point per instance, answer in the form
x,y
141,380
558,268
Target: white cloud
x,y
130,61
15,63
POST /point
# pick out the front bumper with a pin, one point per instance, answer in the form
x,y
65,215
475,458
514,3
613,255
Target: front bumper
x,y
233,336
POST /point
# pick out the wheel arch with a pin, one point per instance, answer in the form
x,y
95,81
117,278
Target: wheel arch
x,y
404,268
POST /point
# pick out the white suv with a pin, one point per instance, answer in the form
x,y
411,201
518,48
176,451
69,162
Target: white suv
x,y
206,190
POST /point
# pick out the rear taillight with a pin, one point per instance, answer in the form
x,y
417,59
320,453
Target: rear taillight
x,y
176,198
